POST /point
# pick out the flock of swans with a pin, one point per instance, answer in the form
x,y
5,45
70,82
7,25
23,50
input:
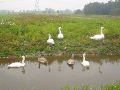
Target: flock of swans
x,y
60,36
43,60
51,42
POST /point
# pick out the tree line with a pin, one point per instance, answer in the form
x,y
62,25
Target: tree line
x,y
96,8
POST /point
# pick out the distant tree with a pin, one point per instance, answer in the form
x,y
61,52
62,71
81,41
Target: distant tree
x,y
78,11
110,8
94,8
49,10
115,11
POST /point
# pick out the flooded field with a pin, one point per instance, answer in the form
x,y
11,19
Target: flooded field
x,y
57,74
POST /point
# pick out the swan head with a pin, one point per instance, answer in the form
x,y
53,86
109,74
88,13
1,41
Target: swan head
x,y
102,28
84,53
23,57
59,28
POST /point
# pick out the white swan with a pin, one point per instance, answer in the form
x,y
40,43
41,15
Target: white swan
x,y
99,36
17,64
84,62
50,41
60,35
71,61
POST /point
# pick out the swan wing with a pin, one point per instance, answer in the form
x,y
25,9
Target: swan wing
x,y
71,61
16,64
97,37
60,36
85,63
50,41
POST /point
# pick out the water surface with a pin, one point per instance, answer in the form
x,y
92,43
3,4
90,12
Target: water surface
x,y
57,74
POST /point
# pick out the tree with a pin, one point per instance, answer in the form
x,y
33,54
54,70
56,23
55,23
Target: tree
x,y
78,11
110,8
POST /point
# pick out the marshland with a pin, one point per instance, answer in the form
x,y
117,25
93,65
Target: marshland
x,y
72,49
29,34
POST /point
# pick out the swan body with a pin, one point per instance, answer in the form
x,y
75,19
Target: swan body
x,y
84,62
50,41
60,35
17,64
99,36
42,60
71,61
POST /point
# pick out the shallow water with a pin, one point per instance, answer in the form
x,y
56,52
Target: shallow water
x,y
57,74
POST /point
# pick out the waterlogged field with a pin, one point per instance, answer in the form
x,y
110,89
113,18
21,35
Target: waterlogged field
x,y
27,34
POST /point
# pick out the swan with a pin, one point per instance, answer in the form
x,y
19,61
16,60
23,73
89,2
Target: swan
x,y
50,41
60,35
17,64
42,60
84,62
71,61
99,36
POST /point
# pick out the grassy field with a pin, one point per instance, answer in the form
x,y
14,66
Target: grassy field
x,y
112,86
29,33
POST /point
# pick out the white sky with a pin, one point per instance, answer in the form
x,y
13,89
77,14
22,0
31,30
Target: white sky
x,y
55,4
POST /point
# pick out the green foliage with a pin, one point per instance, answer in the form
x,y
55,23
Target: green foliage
x,y
112,86
30,33
96,8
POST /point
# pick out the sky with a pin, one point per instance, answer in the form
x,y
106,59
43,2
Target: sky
x,y
54,4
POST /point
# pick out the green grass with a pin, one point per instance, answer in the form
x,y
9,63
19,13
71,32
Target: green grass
x,y
30,33
112,86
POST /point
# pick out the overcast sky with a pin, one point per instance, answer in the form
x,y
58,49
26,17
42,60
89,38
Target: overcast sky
x,y
55,4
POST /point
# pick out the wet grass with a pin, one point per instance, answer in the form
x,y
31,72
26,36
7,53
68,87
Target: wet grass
x,y
30,33
112,86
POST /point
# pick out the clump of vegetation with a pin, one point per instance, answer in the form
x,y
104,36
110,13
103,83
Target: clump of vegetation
x,y
113,86
96,8
30,32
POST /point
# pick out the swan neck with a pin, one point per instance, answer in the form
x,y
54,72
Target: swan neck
x,y
83,57
49,36
23,59
60,31
101,31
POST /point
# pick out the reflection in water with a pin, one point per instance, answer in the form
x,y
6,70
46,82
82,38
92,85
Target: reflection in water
x,y
39,64
100,71
59,68
99,68
84,68
71,66
49,69
57,74
22,69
